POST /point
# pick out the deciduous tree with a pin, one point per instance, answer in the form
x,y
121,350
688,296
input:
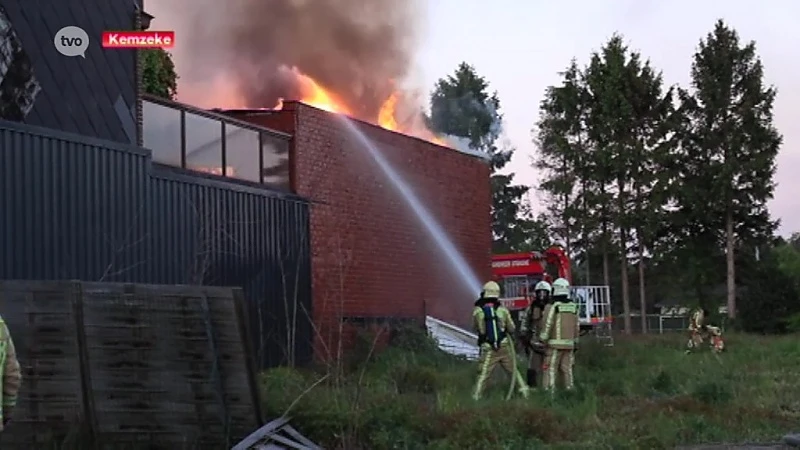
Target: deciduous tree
x,y
158,73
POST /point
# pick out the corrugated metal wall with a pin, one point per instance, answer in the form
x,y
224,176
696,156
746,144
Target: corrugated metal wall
x,y
77,208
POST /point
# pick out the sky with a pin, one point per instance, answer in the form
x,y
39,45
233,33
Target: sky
x,y
519,46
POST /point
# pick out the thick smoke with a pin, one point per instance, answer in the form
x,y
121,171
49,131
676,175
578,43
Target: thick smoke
x,y
355,48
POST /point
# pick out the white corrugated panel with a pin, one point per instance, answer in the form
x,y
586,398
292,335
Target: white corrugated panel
x,y
452,339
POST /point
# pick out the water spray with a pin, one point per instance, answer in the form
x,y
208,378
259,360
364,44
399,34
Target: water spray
x,y
434,229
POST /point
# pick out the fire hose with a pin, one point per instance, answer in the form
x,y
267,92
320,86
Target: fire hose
x,y
513,351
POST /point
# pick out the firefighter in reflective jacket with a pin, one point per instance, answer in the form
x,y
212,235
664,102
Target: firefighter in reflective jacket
x,y
715,336
494,324
696,328
530,327
560,331
10,375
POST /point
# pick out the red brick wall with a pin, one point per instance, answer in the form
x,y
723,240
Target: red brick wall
x,y
370,256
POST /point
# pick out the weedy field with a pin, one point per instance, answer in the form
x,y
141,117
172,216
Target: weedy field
x,y
643,393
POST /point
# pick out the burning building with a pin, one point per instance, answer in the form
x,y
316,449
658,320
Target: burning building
x,y
372,260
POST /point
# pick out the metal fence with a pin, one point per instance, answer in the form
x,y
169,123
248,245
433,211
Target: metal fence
x,y
80,208
656,324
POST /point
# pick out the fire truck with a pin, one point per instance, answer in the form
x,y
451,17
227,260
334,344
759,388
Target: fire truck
x,y
518,273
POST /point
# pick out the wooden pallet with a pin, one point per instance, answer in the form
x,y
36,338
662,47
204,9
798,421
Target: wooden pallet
x,y
41,317
132,365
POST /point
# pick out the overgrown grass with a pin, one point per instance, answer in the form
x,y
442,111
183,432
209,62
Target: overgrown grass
x,y
643,393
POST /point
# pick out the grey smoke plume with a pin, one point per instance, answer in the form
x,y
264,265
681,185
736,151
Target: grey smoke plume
x,y
354,48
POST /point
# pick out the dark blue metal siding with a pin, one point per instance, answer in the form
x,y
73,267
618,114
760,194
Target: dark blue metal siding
x,y
78,94
79,208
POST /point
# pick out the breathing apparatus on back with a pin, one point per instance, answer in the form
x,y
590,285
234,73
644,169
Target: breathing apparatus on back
x,y
489,302
496,334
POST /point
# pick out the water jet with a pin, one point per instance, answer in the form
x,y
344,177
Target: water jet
x,y
426,219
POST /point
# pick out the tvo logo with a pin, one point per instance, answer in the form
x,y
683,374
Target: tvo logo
x,y
72,41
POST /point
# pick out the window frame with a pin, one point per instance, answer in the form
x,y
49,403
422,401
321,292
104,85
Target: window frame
x,y
263,133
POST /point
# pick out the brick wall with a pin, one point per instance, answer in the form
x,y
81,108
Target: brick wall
x,y
371,257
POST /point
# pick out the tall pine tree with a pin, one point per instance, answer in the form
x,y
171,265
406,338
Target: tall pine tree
x,y
650,175
610,78
729,147
462,106
560,144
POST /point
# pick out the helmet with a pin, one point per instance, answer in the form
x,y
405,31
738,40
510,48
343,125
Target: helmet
x,y
543,286
542,292
491,290
560,287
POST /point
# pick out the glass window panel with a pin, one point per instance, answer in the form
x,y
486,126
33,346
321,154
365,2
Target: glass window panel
x,y
203,144
241,152
161,130
276,161
514,286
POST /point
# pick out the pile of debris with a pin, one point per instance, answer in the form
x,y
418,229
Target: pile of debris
x,y
276,435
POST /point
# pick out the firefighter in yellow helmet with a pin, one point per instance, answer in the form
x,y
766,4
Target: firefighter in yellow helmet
x,y
530,327
696,328
494,325
560,331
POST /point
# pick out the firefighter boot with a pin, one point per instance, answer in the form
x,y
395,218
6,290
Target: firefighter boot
x,y
532,378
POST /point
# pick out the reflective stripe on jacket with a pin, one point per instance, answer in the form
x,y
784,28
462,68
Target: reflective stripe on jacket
x,y
561,325
696,320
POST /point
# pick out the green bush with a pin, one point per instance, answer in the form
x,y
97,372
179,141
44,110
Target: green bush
x,y
664,383
423,380
770,303
713,393
412,337
793,323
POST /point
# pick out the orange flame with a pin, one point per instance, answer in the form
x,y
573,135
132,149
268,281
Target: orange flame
x,y
317,96
386,115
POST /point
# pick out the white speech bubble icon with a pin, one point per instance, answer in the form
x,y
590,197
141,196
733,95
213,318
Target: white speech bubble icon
x,y
72,41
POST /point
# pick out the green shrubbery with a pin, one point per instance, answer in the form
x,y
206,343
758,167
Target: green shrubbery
x,y
641,393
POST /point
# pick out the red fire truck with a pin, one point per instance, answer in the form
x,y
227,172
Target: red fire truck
x,y
518,273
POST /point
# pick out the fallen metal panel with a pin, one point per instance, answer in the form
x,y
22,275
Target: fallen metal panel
x,y
297,436
255,437
266,437
452,339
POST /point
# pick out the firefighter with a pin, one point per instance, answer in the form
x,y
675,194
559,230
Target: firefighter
x,y
696,329
11,375
494,325
529,331
560,331
715,338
